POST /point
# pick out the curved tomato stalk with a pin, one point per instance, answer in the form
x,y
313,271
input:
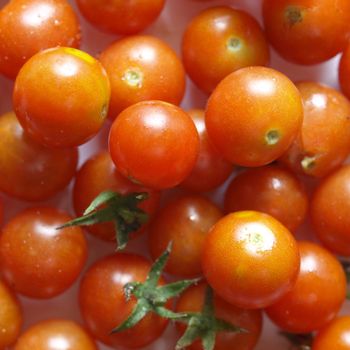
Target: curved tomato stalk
x,y
299,341
204,325
151,297
121,209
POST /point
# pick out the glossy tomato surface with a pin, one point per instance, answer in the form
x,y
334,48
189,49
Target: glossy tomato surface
x,y
344,71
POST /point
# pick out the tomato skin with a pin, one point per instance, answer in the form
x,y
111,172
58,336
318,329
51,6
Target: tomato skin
x,y
38,260
324,140
10,316
29,26
121,17
185,222
61,97
307,31
154,143
211,169
250,259
104,311
272,190
134,65
87,186
53,334
335,335
28,170
344,72
269,101
251,320
317,295
207,54
330,207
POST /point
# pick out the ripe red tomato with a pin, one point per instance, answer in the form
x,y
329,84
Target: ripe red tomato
x,y
251,320
38,260
344,71
154,143
272,190
253,116
220,40
87,186
134,66
317,294
307,31
211,169
10,317
103,304
250,259
324,141
28,170
29,26
121,17
330,207
184,221
61,97
335,335
55,334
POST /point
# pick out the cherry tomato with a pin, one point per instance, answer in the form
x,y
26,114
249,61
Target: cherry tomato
x,y
38,260
103,304
61,97
121,17
324,141
253,116
330,207
55,335
184,221
192,301
250,259
10,317
87,186
272,190
317,294
334,336
211,169
220,40
29,26
154,143
344,72
307,31
134,66
28,170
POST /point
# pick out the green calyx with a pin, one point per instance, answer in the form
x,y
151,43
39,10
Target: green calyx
x,y
120,209
294,15
299,341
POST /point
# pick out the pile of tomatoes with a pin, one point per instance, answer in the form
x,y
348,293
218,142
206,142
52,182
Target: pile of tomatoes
x,y
205,143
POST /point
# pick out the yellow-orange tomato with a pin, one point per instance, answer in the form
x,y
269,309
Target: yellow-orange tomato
x,y
344,72
253,116
250,259
61,97
220,40
324,140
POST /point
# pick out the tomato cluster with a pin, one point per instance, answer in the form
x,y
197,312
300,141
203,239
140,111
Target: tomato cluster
x,y
223,177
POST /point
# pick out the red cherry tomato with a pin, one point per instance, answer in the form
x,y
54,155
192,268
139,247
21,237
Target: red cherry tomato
x,y
185,222
88,186
134,66
250,259
61,97
344,72
220,40
307,31
253,116
324,141
38,260
271,190
317,294
121,17
29,26
154,143
211,169
28,170
55,335
103,304
251,320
